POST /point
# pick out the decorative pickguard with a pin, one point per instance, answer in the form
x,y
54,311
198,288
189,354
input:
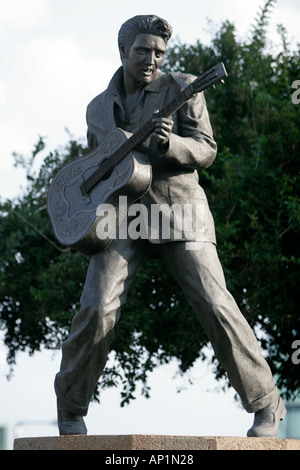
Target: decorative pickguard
x,y
69,229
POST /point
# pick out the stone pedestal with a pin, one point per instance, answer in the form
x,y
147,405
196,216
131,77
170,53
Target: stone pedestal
x,y
153,442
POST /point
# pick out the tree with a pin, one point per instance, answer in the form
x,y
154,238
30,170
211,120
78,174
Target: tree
x,y
252,191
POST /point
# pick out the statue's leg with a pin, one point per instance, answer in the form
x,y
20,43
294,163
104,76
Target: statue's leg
x,y
84,353
200,275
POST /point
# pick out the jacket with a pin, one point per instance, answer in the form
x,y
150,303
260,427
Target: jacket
x,y
175,180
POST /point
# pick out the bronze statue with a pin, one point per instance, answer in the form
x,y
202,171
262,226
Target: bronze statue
x,y
179,146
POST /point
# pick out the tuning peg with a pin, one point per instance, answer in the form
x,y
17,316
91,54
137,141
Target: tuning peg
x,y
214,86
222,81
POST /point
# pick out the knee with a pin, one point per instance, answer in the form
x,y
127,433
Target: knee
x,y
99,305
105,312
212,299
217,308
221,299
96,317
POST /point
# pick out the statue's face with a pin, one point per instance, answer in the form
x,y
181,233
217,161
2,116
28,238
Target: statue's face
x,y
143,59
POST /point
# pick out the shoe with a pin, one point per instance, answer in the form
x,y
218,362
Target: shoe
x,y
69,423
266,421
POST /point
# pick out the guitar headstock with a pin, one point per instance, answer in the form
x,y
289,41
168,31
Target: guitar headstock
x,y
210,77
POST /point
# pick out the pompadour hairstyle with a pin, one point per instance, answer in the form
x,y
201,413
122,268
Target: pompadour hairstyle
x,y
149,24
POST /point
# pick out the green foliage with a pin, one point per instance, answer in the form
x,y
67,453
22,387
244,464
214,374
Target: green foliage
x,y
252,191
252,187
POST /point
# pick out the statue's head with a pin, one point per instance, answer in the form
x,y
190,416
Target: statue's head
x,y
142,24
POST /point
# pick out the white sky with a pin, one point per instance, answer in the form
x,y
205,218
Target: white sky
x,y
55,56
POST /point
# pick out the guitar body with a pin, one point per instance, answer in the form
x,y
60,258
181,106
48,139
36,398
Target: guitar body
x,y
75,215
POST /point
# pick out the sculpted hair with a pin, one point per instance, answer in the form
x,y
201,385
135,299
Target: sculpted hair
x,y
148,24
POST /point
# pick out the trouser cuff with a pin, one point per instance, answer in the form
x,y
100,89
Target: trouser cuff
x,y
63,403
262,402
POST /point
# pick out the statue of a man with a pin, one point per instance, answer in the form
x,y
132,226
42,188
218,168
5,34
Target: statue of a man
x,y
179,147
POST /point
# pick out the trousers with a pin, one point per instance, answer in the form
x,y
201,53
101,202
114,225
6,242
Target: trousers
x,y
199,273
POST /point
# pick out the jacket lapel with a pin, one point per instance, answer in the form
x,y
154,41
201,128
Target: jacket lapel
x,y
155,95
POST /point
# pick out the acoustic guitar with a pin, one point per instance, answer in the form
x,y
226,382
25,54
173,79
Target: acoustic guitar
x,y
81,190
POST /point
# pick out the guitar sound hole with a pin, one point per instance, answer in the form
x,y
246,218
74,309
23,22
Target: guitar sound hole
x,y
108,173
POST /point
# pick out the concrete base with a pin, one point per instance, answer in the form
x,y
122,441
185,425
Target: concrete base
x,y
149,442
